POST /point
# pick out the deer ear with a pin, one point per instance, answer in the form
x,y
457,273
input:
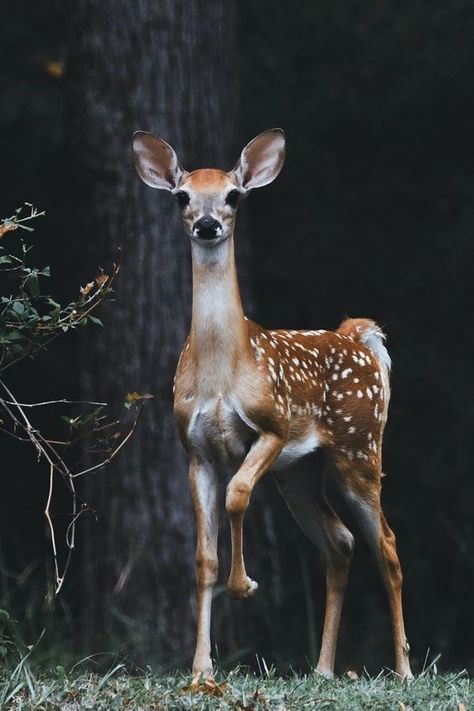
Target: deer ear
x,y
261,160
155,161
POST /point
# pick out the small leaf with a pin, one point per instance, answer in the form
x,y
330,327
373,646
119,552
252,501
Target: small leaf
x,y
211,688
61,672
86,289
96,320
133,397
10,336
207,686
18,307
32,284
101,279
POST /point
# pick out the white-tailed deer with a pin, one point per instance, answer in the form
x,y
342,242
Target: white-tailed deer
x,y
249,400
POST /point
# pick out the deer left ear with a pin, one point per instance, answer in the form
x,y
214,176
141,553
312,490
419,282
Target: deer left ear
x,y
261,160
155,161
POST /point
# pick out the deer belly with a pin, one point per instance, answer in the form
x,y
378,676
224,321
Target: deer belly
x,y
217,432
297,447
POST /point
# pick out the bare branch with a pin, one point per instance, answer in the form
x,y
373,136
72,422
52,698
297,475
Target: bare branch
x,y
56,464
59,580
55,402
115,451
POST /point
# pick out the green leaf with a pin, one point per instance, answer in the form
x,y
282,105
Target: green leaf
x,y
70,420
9,336
32,284
16,350
61,673
5,259
32,314
18,307
96,320
53,303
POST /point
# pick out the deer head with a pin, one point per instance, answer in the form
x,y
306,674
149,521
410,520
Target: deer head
x,y
208,198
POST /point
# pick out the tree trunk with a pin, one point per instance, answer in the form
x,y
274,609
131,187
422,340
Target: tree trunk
x,y
168,67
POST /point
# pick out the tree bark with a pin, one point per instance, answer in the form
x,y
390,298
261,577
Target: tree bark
x,y
168,67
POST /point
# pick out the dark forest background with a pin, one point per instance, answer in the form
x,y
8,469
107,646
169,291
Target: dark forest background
x,y
372,216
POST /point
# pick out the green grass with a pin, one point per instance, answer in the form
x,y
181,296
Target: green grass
x,y
78,691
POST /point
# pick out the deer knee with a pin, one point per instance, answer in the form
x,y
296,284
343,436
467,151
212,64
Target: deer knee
x,y
338,553
237,498
346,543
343,546
206,569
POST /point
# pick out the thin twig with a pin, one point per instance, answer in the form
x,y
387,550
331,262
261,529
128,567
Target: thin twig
x,y
45,448
59,580
115,451
55,402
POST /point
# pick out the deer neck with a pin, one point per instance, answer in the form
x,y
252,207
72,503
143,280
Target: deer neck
x,y
218,328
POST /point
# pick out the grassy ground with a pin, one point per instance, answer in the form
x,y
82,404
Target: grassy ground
x,y
23,689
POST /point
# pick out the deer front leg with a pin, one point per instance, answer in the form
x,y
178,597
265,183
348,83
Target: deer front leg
x,y
263,453
203,485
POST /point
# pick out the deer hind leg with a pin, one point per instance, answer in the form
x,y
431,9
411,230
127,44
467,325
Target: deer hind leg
x,y
306,499
203,484
265,450
361,488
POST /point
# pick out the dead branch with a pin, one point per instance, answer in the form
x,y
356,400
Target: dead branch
x,y
47,450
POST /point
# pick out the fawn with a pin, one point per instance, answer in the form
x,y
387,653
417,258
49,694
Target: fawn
x,y
250,400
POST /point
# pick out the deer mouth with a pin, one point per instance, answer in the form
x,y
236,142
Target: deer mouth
x,y
208,234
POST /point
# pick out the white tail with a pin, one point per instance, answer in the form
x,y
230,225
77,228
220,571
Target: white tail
x,y
249,400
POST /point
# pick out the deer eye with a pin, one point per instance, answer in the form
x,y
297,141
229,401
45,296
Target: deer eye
x,y
182,198
233,198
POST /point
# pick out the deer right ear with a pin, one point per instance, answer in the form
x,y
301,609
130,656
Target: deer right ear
x,y
155,161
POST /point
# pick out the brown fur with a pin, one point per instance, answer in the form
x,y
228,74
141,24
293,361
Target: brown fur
x,y
208,180
334,382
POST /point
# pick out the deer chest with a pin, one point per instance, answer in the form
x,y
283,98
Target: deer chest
x,y
217,432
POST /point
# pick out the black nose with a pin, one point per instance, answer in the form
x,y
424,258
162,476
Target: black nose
x,y
207,228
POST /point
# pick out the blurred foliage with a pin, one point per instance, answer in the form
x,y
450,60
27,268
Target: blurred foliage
x,y
30,320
